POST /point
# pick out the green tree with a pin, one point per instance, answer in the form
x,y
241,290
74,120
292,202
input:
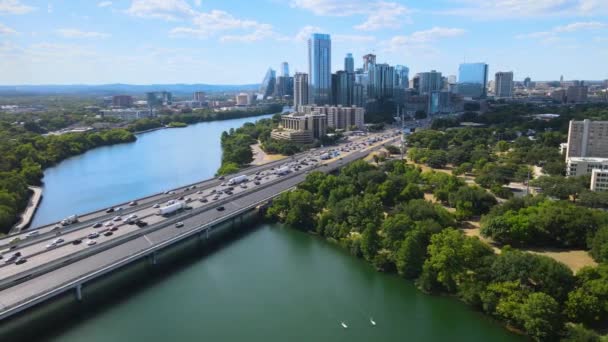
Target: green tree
x,y
540,314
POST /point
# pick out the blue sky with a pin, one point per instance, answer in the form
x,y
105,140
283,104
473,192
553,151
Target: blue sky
x,y
235,41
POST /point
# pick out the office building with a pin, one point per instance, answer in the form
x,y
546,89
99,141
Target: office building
x,y
284,86
527,83
582,166
381,81
268,86
599,180
349,63
503,84
340,117
473,80
368,60
159,98
122,101
319,68
577,92
243,99
200,96
284,69
428,82
359,95
301,128
126,114
300,90
402,77
439,102
342,84
587,139
559,95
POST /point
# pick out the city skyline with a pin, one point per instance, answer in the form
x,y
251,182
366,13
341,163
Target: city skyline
x,y
183,41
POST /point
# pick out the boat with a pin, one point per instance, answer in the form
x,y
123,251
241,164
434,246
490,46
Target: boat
x,y
371,320
344,325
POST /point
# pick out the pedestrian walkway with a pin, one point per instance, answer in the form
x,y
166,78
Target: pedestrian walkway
x,y
28,213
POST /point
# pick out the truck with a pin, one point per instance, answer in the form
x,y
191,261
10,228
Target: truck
x,y
69,220
237,180
325,156
282,171
171,208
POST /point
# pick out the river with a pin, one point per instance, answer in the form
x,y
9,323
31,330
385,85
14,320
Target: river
x,y
272,284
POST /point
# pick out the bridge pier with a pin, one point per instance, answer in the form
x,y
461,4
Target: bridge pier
x,y
153,260
79,292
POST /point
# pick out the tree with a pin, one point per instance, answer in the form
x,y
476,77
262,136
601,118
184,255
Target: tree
x,y
599,245
471,201
412,253
437,159
370,242
540,315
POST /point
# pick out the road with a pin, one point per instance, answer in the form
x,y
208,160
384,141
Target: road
x,y
52,267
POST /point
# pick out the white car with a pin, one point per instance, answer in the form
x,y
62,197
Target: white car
x,y
58,241
109,224
33,233
179,224
133,216
156,206
50,246
91,242
117,218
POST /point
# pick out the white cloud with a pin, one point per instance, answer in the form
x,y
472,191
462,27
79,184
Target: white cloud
x,y
306,31
14,7
49,8
483,9
351,38
163,9
421,38
76,33
104,4
5,30
198,3
380,14
555,33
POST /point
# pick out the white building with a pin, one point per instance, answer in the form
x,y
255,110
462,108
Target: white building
x,y
126,114
599,180
243,99
340,117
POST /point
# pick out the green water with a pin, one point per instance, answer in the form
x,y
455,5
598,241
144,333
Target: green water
x,y
277,284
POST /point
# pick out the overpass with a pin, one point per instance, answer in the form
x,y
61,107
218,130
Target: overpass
x,y
51,270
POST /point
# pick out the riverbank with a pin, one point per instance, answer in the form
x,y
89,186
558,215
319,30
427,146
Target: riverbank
x,y
260,157
28,214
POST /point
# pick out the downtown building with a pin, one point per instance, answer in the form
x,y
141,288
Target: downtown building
x,y
268,86
301,128
577,92
473,80
503,84
319,68
300,90
587,152
125,101
340,117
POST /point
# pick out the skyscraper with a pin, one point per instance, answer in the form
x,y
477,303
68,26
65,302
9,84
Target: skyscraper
x,y
527,82
319,68
429,82
577,92
343,84
402,79
300,90
349,63
473,80
268,86
381,81
503,84
369,59
285,69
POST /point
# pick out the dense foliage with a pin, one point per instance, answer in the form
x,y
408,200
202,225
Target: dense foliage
x,y
378,214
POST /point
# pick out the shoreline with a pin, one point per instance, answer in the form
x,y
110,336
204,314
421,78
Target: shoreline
x,y
26,216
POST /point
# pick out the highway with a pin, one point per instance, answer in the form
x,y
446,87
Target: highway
x,y
48,268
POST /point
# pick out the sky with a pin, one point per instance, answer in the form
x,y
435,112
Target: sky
x,y
236,41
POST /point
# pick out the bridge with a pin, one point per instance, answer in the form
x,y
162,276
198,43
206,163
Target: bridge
x,y
102,241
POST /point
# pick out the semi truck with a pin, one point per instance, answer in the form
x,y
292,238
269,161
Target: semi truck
x,y
237,180
282,171
171,208
69,220
325,156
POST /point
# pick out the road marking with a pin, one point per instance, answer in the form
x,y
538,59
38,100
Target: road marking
x,y
150,242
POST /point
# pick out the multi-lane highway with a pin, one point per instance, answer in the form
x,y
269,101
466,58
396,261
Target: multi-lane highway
x,y
47,264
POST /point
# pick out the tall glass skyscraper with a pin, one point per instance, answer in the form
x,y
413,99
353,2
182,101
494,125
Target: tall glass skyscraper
x,y
319,68
473,80
349,63
285,69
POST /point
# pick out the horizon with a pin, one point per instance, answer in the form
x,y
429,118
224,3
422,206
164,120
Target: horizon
x,y
183,41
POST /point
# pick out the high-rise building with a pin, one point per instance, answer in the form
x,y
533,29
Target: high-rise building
x,y
402,77
503,84
122,101
199,96
285,69
559,95
157,98
577,92
340,117
284,86
342,84
359,95
527,83
319,68
300,90
368,60
587,139
473,80
349,63
429,82
267,88
243,99
381,81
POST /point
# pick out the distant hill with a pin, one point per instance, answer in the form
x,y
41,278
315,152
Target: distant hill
x,y
118,88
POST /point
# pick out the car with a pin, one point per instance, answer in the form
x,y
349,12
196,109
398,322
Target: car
x,y
141,223
50,246
97,224
76,242
109,224
132,216
244,186
219,192
91,242
220,208
131,222
56,228
117,218
193,187
118,209
216,198
203,200
33,233
213,191
188,200
179,224
58,241
228,192
188,208
181,198
200,192
171,192
170,202
20,261
223,184
222,178
113,229
108,233
187,188
109,210
257,183
93,236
